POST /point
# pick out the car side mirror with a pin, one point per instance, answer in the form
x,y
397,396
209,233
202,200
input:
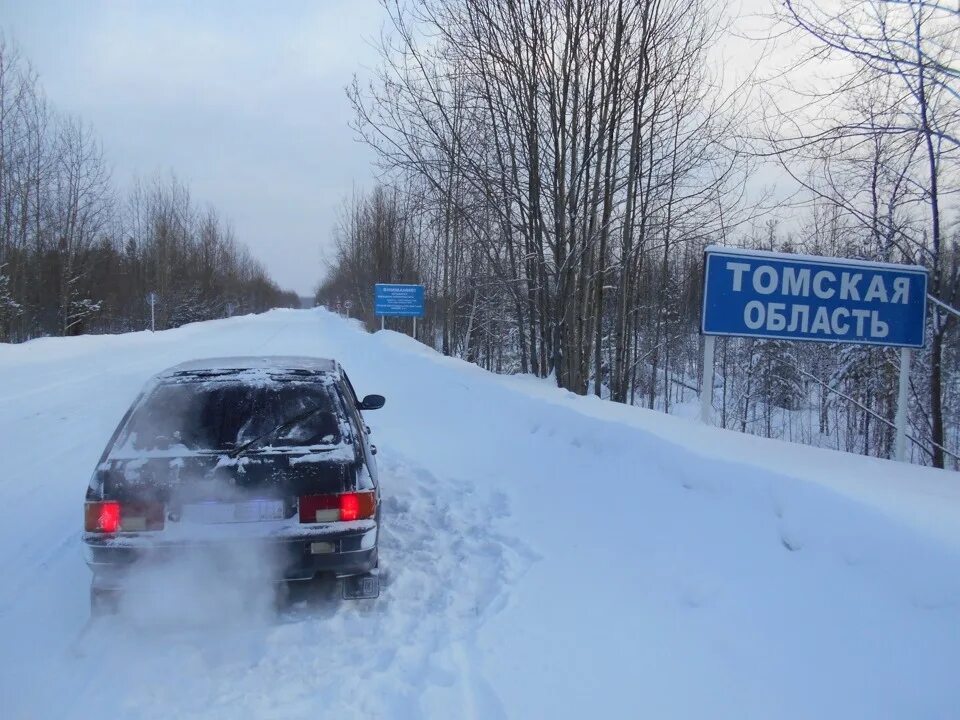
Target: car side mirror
x,y
372,402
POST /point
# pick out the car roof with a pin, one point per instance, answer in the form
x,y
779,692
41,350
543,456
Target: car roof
x,y
267,362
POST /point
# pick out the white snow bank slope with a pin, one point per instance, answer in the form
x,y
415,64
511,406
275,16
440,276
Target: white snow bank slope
x,y
548,555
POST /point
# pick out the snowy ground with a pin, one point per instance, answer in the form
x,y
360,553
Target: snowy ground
x,y
548,556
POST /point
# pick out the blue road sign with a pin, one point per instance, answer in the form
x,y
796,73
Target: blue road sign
x,y
398,300
801,297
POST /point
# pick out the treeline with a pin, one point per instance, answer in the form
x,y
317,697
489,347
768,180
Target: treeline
x,y
555,169
76,256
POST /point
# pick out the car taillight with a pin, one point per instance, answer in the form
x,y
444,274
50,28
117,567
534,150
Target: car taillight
x,y
102,517
110,516
338,508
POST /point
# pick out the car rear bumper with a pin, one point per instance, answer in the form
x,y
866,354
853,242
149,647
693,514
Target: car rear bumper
x,y
298,555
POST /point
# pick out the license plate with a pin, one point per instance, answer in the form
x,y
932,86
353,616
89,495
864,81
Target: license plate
x,y
360,587
252,511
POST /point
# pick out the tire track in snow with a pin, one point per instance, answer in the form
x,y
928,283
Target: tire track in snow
x,y
448,569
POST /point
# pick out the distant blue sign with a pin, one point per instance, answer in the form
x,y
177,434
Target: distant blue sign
x,y
398,300
801,297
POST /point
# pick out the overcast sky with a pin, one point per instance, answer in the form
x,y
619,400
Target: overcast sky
x,y
243,100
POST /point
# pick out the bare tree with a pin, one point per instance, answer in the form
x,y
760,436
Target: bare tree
x,y
897,108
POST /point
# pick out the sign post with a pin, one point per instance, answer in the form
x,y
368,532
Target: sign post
x,y
903,398
766,295
398,301
152,299
706,391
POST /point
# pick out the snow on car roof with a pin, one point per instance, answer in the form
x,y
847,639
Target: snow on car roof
x,y
268,362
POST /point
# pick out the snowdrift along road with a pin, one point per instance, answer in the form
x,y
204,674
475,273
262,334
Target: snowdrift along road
x,y
548,556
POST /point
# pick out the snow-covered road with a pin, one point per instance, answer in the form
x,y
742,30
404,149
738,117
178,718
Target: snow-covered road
x,y
546,556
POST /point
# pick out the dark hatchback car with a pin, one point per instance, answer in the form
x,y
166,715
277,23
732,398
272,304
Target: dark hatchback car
x,y
269,451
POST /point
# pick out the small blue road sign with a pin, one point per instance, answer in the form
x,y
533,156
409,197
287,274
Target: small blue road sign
x,y
398,300
801,297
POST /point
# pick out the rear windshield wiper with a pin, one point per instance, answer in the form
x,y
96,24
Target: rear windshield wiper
x,y
286,424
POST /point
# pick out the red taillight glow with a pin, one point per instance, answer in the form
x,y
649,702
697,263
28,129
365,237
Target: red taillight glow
x,y
349,507
333,508
109,519
102,517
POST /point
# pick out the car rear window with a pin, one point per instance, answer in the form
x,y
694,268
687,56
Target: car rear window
x,y
221,415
